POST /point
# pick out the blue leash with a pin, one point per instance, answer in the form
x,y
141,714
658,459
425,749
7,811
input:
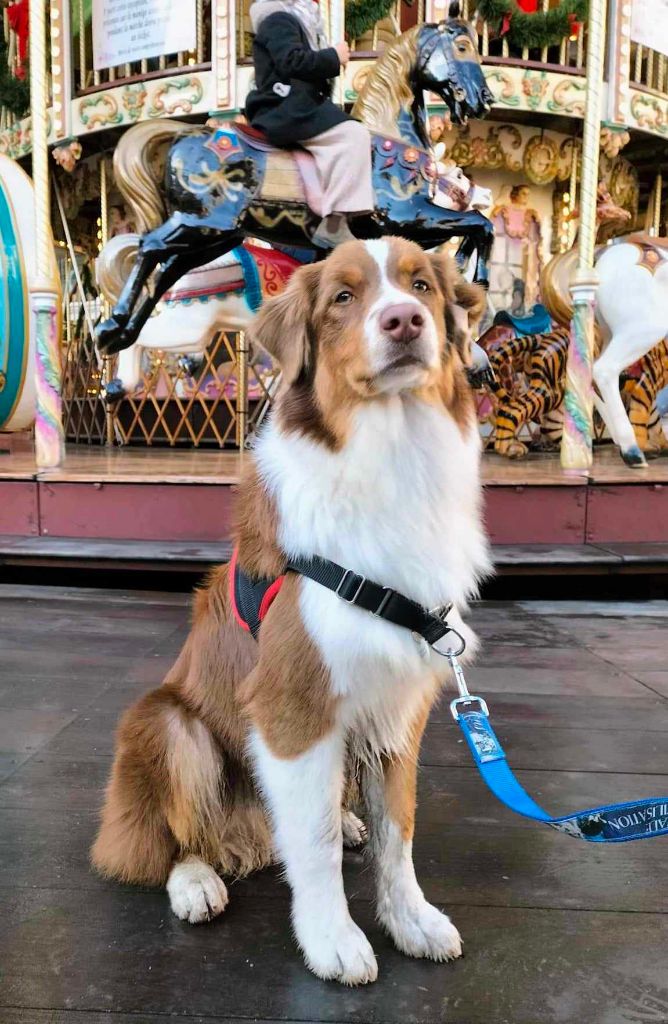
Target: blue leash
x,y
612,823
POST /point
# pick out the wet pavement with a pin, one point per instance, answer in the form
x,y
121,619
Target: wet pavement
x,y
554,930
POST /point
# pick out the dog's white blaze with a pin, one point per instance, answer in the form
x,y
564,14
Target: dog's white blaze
x,y
389,294
303,795
399,505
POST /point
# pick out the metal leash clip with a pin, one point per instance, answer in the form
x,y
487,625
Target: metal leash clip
x,y
450,654
465,698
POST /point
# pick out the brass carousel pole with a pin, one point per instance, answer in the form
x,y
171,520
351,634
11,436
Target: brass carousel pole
x,y
656,213
242,356
108,361
576,444
49,434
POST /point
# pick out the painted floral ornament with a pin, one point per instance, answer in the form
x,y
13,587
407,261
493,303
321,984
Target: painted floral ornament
x,y
67,154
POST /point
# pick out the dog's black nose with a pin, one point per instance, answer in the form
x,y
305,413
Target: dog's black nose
x,y
403,322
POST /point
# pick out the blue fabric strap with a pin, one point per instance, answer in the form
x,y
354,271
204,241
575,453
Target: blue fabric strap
x,y
251,278
613,823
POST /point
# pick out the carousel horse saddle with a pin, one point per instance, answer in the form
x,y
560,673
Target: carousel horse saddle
x,y
652,251
250,268
290,175
538,321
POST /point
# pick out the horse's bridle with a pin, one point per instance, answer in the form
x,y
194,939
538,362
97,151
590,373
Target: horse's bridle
x,y
441,33
458,195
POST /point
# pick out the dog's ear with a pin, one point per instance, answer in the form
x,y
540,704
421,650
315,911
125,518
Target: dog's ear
x,y
464,305
473,299
283,327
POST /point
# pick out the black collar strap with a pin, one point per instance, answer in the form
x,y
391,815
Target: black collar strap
x,y
381,601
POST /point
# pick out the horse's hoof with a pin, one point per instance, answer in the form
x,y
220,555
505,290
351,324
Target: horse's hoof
x,y
110,337
480,378
190,364
114,391
634,458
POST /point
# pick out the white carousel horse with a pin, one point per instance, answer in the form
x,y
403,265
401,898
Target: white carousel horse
x,y
17,278
225,294
632,317
221,295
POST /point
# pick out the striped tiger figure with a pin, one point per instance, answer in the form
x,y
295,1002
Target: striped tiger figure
x,y
530,373
640,393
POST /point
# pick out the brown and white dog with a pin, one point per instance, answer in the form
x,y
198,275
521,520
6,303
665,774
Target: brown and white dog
x,y
371,459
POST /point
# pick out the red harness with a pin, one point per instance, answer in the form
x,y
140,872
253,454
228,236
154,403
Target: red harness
x,y
251,598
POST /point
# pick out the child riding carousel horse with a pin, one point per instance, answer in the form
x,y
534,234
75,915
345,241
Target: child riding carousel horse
x,y
291,104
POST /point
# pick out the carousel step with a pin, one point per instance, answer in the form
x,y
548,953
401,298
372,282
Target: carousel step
x,y
75,552
196,556
606,557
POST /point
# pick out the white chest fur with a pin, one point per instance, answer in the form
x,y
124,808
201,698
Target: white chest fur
x,y
400,504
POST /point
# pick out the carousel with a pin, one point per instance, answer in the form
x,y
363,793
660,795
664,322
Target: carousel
x,y
143,222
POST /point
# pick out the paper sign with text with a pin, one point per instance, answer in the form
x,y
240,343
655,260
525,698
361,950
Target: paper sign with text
x,y
130,30
649,24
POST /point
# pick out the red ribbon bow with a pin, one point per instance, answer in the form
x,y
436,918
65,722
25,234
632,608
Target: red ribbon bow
x,y
18,16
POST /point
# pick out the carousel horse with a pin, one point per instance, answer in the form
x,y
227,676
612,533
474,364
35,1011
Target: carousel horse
x,y
632,318
18,336
224,184
224,295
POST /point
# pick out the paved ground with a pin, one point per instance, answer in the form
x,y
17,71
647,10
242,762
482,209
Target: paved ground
x,y
555,930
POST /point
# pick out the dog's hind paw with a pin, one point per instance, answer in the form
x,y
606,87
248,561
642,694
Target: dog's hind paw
x,y
196,892
354,830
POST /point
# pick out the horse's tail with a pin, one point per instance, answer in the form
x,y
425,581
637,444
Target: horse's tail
x,y
139,163
114,264
554,290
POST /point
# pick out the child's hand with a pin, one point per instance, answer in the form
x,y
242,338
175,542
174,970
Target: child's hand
x,y
343,51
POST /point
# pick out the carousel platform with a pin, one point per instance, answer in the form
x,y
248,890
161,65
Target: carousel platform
x,y
172,510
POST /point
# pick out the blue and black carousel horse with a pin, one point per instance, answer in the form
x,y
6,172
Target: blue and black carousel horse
x,y
224,184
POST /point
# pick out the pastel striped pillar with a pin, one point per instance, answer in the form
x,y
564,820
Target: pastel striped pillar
x,y
49,434
576,444
49,437
577,439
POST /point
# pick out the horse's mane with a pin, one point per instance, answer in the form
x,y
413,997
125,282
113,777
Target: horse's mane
x,y
387,89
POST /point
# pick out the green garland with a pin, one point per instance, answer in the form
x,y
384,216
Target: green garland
x,y
543,28
361,15
14,92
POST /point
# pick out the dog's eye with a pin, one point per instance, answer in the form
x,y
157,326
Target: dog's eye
x,y
343,298
421,286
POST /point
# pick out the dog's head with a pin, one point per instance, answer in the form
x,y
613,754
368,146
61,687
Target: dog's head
x,y
376,318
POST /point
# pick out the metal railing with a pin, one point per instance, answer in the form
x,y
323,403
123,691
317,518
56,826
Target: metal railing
x,y
213,400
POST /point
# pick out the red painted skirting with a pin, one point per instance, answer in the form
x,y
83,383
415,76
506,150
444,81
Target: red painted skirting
x,y
627,512
526,514
19,512
137,511
535,515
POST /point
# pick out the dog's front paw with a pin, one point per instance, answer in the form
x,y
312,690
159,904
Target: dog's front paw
x,y
196,892
354,830
421,930
338,952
